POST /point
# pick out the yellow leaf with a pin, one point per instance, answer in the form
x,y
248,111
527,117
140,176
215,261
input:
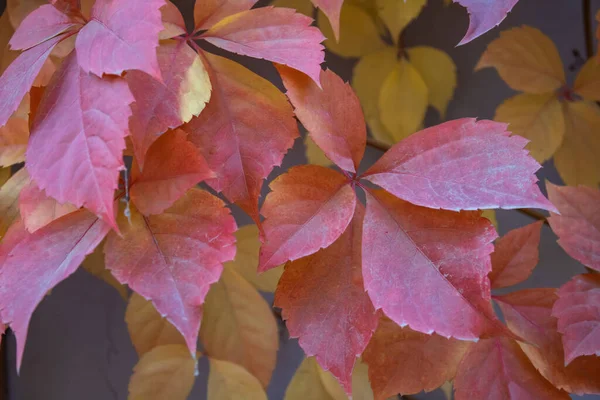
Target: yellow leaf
x,y
238,326
228,381
311,382
526,59
4,175
9,199
314,154
164,373
577,159
361,387
147,328
358,33
94,264
491,215
447,390
438,72
537,117
403,101
587,83
369,74
397,14
302,6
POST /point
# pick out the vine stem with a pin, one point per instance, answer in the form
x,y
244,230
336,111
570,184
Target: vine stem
x,y
587,26
525,211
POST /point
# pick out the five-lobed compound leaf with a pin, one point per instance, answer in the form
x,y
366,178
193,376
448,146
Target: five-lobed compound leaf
x,y
207,13
78,137
42,24
578,224
498,369
245,130
38,210
33,263
332,115
308,208
275,34
329,283
484,15
462,164
578,312
515,255
404,361
173,258
428,268
227,380
173,165
108,43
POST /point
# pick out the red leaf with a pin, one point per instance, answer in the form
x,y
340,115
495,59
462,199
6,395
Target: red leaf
x,y
578,313
461,165
528,314
173,258
20,75
244,131
404,361
172,20
428,269
121,35
38,210
484,15
578,225
173,166
207,13
308,209
498,369
332,115
77,139
332,9
325,305
42,24
276,34
33,263
515,255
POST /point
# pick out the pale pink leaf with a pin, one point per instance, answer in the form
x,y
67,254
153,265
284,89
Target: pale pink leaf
x,y
38,210
42,24
332,9
209,12
484,15
172,20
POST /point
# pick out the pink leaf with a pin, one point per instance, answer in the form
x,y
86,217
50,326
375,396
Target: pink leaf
x,y
578,225
122,35
173,258
33,263
331,115
276,34
484,15
173,23
308,208
42,24
332,9
515,255
461,165
578,313
207,13
428,268
244,131
325,305
77,139
38,210
173,166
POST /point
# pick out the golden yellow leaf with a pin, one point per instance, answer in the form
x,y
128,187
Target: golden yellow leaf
x,y
361,387
491,215
369,74
246,260
314,154
577,159
537,117
147,328
4,175
164,373
302,6
228,381
358,33
587,83
94,264
397,14
311,382
9,199
438,72
238,326
526,59
403,101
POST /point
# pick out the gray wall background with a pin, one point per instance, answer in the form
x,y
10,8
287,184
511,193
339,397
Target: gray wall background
x,y
78,346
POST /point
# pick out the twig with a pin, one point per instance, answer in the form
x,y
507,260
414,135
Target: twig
x,y
587,26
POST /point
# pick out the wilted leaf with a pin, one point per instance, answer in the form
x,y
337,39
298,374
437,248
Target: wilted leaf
x,y
228,381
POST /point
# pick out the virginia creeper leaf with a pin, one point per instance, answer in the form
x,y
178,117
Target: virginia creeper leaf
x,y
578,313
13,141
398,14
108,44
302,6
515,255
484,15
33,263
243,133
437,281
95,265
42,24
38,210
314,154
275,34
332,115
308,209
587,83
311,382
173,166
173,258
207,13
77,139
17,10
461,165
172,20
337,340
332,9
9,199
578,225
227,381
